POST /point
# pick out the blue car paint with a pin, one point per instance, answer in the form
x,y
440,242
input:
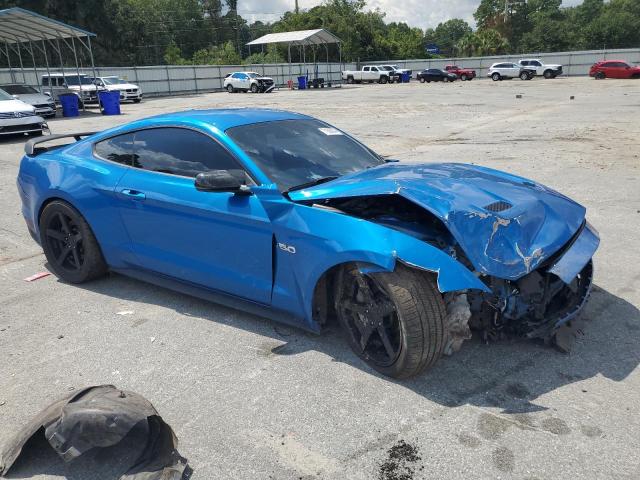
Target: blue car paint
x,y
254,267
576,257
507,244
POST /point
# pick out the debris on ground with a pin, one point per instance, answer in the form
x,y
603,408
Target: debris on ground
x,y
37,276
401,462
125,312
100,417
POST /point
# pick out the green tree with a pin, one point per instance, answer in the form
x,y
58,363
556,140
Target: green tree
x,y
446,35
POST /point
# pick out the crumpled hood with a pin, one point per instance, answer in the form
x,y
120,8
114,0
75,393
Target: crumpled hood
x,y
507,225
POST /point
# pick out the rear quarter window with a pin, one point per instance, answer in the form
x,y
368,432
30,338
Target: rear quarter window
x,y
116,149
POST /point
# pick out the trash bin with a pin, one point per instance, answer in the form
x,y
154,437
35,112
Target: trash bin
x,y
69,102
406,78
302,83
110,102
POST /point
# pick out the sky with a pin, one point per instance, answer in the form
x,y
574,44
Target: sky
x,y
416,13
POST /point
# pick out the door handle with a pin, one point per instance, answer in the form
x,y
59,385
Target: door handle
x,y
133,194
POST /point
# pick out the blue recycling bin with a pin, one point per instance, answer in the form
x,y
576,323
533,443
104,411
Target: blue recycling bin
x,y
110,102
302,83
69,102
406,78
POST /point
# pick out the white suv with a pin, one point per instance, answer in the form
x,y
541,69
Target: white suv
x,y
504,70
248,81
81,85
546,70
128,91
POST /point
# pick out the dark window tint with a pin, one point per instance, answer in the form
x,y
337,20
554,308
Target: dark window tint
x,y
117,149
180,152
295,152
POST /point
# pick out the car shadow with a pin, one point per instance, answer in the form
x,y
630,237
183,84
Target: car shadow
x,y
507,374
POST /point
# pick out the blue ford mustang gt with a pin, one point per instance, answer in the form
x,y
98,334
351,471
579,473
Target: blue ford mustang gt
x,y
288,217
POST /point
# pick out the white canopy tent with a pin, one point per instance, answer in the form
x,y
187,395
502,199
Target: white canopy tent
x,y
301,39
22,29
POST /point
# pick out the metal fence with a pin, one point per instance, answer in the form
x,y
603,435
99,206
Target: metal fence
x,y
176,80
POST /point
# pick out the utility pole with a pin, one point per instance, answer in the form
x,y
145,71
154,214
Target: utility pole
x,y
297,10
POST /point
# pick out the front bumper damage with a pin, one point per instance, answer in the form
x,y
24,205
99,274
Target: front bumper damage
x,y
541,302
99,417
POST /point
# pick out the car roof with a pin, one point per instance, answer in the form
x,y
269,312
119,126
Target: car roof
x,y
612,60
222,119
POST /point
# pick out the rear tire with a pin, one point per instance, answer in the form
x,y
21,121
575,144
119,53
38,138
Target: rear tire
x,y
230,89
600,76
495,77
71,248
399,316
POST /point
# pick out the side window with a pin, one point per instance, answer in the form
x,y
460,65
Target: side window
x,y
374,69
536,63
117,149
180,151
524,62
235,75
366,69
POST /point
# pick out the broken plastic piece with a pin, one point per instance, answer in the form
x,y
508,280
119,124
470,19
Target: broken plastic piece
x,y
37,276
102,416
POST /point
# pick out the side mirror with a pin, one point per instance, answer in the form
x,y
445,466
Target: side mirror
x,y
222,181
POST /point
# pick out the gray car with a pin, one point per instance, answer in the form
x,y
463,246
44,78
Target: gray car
x,y
44,105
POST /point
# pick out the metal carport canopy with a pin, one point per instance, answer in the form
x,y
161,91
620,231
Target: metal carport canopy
x,y
19,25
23,29
319,36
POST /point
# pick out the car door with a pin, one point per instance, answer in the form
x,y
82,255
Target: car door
x,y
513,70
619,70
608,68
219,240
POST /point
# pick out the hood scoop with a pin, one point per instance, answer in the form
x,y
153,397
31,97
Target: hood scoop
x,y
499,206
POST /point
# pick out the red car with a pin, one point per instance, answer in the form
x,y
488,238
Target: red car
x,y
613,69
462,73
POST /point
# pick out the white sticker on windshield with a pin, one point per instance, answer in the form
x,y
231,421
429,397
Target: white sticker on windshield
x,y
331,131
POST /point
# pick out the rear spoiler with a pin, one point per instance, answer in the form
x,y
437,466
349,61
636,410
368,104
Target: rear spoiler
x,y
31,149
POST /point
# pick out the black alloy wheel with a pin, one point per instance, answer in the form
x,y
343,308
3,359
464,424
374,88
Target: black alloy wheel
x,y
371,321
71,248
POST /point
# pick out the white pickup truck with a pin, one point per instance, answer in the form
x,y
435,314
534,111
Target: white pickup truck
x,y
545,70
369,73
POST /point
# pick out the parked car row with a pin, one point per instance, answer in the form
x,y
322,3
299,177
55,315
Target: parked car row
x,y
87,87
375,73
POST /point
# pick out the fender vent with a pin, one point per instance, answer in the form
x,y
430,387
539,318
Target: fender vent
x,y
499,206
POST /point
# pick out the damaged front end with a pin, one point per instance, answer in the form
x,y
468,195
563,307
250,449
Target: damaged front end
x,y
535,304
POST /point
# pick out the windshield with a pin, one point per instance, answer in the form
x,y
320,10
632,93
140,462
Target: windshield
x,y
253,74
297,152
387,68
19,89
74,80
112,81
5,96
